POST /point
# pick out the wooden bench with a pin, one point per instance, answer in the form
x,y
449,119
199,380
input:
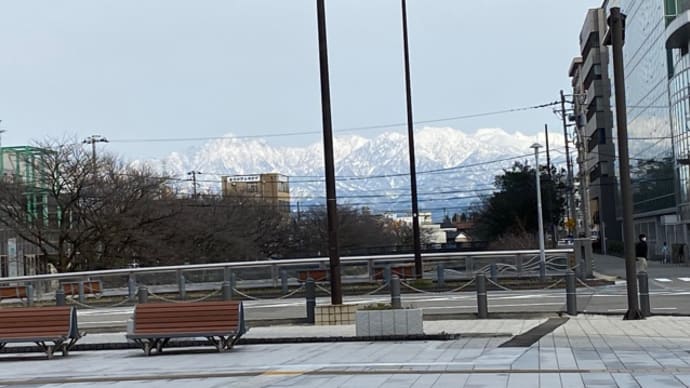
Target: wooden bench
x,y
7,292
90,287
222,323
319,275
51,328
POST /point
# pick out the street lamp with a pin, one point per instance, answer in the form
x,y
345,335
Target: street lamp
x,y
542,256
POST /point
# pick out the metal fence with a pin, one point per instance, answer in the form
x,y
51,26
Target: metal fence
x,y
209,279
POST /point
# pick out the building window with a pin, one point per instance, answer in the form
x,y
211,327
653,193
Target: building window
x,y
283,187
252,188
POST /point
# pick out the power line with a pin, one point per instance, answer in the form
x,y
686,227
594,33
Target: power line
x,y
289,133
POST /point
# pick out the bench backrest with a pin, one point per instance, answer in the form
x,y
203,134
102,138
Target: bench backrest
x,y
38,322
219,318
318,275
12,292
90,287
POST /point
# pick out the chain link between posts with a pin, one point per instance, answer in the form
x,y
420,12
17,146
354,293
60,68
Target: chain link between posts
x,y
203,298
74,301
554,284
498,285
293,292
457,289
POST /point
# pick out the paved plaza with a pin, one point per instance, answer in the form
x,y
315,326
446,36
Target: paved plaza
x,y
586,351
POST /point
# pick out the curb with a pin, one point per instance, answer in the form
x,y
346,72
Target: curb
x,y
268,341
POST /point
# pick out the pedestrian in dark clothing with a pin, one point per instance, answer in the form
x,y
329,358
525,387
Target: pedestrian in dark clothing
x,y
641,253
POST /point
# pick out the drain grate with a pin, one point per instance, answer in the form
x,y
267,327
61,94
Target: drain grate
x,y
530,337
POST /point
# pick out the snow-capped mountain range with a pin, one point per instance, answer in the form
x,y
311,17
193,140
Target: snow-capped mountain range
x,y
453,167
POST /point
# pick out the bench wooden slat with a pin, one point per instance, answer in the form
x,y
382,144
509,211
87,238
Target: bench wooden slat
x,y
229,320
34,324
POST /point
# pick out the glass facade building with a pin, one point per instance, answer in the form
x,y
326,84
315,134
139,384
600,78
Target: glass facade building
x,y
648,76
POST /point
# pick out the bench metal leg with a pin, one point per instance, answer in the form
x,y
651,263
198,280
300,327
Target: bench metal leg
x,y
160,343
232,341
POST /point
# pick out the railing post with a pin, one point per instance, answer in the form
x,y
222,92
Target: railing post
x,y
482,300
226,274
469,265
274,275
643,280
284,280
570,293
227,291
60,297
518,264
310,292
82,297
143,294
440,275
542,270
494,272
370,269
181,285
29,294
395,292
387,274
132,286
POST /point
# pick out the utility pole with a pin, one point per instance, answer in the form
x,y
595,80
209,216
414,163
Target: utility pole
x,y
569,166
548,156
416,240
2,154
615,38
331,203
194,173
93,139
552,226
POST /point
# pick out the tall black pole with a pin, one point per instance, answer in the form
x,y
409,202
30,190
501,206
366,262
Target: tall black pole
x,y
417,245
552,226
548,156
568,164
331,208
616,24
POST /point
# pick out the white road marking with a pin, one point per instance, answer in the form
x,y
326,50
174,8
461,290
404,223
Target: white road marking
x,y
492,306
663,280
684,279
664,308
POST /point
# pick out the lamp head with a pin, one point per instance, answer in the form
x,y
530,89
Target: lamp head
x,y
536,146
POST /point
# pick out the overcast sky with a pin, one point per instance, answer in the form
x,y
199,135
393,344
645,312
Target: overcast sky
x,y
170,69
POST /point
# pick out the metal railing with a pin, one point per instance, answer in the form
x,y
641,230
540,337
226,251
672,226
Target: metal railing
x,y
272,273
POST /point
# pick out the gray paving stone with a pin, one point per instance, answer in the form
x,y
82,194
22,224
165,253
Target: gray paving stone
x,y
451,380
598,380
625,380
658,381
571,380
486,381
523,380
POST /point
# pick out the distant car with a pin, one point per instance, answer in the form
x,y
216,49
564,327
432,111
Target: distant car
x,y
566,241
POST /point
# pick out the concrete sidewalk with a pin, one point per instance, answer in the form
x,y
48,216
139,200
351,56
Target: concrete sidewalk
x,y
586,351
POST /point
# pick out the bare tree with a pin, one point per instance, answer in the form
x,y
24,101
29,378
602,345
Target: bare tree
x,y
72,208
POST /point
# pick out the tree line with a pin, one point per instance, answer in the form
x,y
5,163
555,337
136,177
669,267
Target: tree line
x,y
83,212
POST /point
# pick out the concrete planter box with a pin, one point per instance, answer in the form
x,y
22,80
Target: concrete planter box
x,y
372,323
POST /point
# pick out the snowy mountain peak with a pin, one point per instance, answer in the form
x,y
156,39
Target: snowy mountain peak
x,y
452,166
